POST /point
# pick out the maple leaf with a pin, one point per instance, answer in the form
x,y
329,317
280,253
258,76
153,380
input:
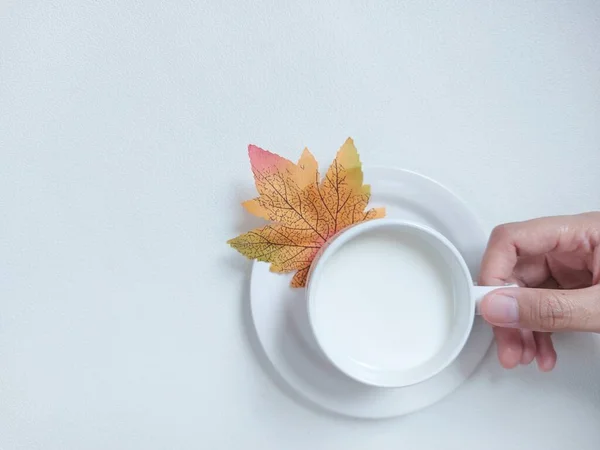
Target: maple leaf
x,y
305,210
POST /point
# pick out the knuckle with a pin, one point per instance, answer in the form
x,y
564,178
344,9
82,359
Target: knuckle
x,y
501,232
553,311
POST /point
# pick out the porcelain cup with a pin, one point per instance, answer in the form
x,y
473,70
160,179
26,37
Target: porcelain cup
x,y
464,294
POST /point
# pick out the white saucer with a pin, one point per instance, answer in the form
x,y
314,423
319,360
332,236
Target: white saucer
x,y
279,316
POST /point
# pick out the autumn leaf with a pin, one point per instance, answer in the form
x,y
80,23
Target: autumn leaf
x,y
303,173
305,210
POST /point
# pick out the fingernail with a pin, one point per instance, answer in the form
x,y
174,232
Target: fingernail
x,y
502,310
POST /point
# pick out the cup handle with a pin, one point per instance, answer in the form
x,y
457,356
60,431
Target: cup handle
x,y
481,291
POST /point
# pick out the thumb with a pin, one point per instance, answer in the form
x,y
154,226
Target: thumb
x,y
543,309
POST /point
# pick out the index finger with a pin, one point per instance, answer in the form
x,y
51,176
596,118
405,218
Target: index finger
x,y
532,238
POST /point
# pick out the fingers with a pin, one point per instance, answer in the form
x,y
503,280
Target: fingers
x,y
510,347
529,347
531,271
570,270
595,265
546,355
533,238
544,309
515,346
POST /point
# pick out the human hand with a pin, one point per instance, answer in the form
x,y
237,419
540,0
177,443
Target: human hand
x,y
556,260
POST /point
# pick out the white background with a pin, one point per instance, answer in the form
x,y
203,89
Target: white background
x,y
123,134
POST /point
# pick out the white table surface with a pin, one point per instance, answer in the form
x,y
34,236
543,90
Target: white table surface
x,y
123,134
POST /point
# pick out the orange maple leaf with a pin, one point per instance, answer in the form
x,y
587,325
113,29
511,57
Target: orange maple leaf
x,y
305,210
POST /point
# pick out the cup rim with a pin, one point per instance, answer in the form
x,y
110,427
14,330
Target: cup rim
x,y
393,378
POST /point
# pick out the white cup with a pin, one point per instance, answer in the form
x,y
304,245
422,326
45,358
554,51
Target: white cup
x,y
337,322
